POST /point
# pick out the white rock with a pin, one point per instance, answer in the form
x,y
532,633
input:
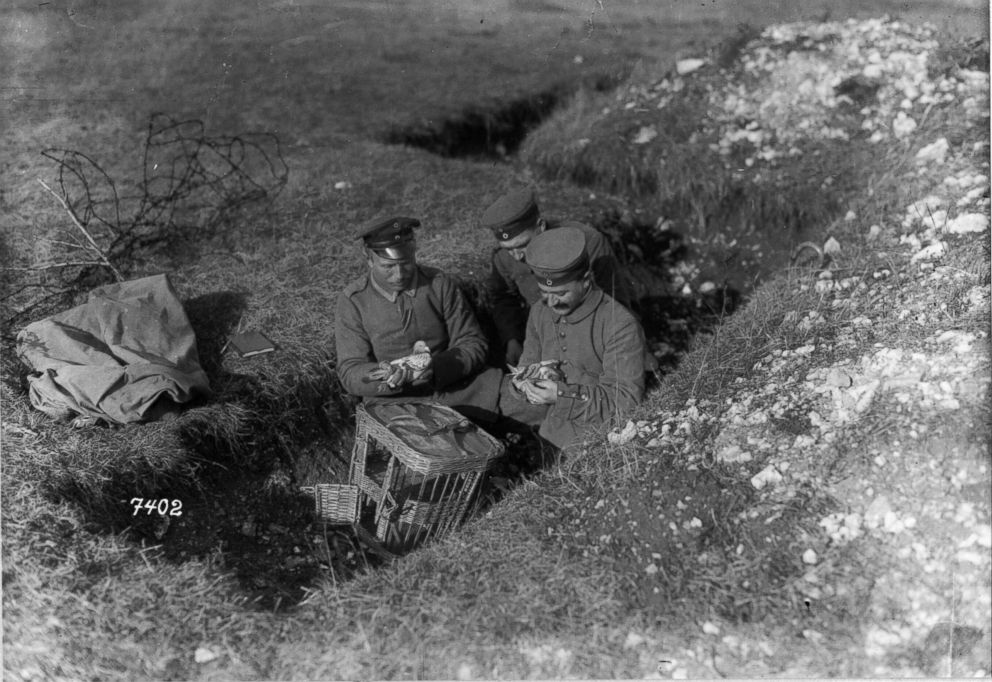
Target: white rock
x,y
651,569
879,641
860,397
961,341
969,557
465,672
633,640
874,232
710,629
969,222
892,523
873,71
343,184
971,196
645,135
932,252
203,655
876,511
625,435
903,125
809,557
832,246
842,527
840,378
733,453
686,66
935,152
767,476
706,287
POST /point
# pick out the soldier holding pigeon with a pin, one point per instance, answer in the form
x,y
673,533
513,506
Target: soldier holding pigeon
x,y
404,330
589,347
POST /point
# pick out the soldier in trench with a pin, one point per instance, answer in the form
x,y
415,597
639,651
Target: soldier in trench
x,y
515,220
398,302
595,343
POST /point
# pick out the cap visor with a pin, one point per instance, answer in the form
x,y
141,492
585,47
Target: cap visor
x,y
404,252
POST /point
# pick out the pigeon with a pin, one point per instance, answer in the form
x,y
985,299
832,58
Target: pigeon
x,y
395,373
545,369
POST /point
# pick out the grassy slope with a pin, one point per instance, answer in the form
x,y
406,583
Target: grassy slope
x,y
129,614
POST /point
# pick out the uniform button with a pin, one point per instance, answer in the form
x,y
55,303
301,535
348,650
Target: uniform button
x,y
562,335
564,348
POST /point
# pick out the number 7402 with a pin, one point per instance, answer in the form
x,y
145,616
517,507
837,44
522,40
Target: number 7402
x,y
163,507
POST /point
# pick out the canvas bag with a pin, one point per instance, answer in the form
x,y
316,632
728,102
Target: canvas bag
x,y
126,355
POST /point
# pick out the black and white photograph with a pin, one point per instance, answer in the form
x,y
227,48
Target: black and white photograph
x,y
495,339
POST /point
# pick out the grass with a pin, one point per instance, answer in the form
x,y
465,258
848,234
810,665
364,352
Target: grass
x,y
531,589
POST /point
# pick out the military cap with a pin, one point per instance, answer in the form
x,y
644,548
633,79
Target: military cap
x,y
558,256
511,214
390,238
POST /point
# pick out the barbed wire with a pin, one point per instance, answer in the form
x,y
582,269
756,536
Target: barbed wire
x,y
190,183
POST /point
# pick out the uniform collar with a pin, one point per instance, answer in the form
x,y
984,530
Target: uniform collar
x,y
391,295
589,304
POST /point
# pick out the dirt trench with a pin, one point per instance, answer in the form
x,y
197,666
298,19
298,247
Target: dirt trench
x,y
256,516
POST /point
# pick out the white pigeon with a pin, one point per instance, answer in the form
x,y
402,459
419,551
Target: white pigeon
x,y
545,369
411,367
419,360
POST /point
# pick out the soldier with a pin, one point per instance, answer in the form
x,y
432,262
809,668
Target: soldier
x,y
515,220
398,303
597,343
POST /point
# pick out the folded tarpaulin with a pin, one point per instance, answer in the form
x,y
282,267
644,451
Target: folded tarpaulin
x,y
129,346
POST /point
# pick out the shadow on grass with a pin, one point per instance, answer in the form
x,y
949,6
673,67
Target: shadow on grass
x,y
214,317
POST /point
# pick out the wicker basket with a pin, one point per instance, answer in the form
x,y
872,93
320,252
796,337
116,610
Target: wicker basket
x,y
417,467
335,504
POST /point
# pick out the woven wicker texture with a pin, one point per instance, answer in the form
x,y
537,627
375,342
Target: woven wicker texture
x,y
335,504
430,438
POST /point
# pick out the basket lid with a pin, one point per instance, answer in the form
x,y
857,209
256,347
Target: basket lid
x,y
441,439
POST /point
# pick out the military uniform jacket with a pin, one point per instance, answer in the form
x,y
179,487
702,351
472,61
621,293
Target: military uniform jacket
x,y
513,289
370,328
601,349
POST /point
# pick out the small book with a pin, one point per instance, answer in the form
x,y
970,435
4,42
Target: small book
x,y
248,344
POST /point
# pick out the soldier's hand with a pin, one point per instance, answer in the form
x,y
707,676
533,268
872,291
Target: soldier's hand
x,y
399,376
540,391
513,351
378,374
